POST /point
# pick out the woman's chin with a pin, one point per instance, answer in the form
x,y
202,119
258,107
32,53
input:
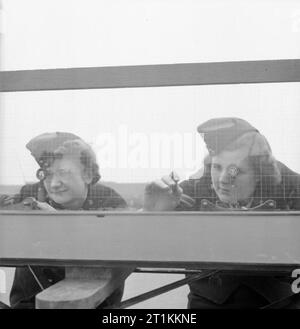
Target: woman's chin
x,y
60,199
226,198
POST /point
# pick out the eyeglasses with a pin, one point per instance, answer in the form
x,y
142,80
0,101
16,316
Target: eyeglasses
x,y
233,171
61,174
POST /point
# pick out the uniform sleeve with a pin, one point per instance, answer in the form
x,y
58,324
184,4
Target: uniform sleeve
x,y
30,190
102,196
290,187
199,190
188,188
294,198
114,200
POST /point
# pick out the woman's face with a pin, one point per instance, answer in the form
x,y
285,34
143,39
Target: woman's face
x,y
66,183
233,177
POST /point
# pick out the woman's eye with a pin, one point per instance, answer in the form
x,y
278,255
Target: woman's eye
x,y
62,172
48,175
216,166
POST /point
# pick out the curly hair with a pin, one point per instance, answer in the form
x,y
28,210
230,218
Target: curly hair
x,y
258,151
76,148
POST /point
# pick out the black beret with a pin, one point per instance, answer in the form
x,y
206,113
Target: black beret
x,y
220,132
44,145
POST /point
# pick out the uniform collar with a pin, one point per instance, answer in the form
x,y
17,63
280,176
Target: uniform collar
x,y
238,205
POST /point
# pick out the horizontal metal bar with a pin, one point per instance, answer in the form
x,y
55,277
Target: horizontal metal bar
x,y
163,289
265,71
231,268
102,214
166,270
263,241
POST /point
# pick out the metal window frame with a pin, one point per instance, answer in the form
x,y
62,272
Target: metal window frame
x,y
165,75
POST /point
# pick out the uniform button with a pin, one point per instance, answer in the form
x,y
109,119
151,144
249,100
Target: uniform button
x,y
271,204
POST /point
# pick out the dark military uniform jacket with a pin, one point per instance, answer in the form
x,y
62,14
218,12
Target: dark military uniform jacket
x,y
267,196
25,287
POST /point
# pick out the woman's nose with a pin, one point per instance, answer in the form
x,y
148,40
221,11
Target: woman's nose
x,y
55,181
225,178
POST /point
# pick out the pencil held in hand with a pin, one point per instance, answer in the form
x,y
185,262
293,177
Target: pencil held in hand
x,y
185,200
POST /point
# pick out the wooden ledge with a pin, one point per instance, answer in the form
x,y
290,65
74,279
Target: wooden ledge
x,y
82,288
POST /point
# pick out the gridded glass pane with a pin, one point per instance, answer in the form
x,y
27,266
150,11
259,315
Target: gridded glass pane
x,y
141,134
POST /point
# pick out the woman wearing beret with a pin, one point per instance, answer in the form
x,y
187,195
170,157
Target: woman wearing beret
x,y
68,177
240,172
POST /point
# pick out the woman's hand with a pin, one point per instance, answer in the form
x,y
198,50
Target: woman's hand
x,y
6,200
165,195
162,195
37,204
